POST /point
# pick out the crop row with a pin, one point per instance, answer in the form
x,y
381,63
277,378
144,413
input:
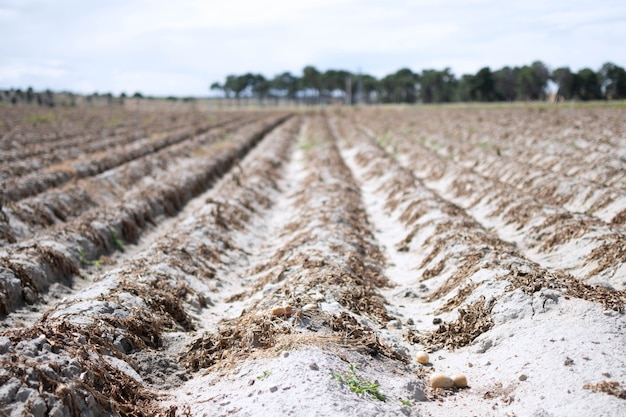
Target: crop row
x,y
32,265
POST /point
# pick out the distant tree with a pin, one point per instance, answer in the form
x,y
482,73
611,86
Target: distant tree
x,y
464,88
388,91
333,81
532,81
400,87
218,87
312,80
565,81
613,81
237,84
49,98
30,95
438,86
483,85
369,87
259,85
136,95
528,82
108,96
588,85
504,81
285,85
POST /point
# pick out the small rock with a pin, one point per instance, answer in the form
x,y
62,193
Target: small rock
x,y
568,361
59,410
314,366
460,381
410,322
38,407
394,324
522,377
318,297
274,389
440,380
29,295
9,389
282,311
5,344
285,354
437,320
24,393
422,357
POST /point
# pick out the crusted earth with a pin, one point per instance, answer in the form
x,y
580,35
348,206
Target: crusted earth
x,y
294,263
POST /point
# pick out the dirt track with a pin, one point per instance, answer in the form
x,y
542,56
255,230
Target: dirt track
x,y
237,266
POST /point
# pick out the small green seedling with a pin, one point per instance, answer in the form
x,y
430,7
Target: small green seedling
x,y
384,141
119,243
359,386
405,402
264,375
306,144
83,259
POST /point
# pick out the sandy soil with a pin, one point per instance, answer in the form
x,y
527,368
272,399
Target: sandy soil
x,y
275,264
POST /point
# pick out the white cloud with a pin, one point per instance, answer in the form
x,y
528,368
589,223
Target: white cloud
x,y
164,47
8,14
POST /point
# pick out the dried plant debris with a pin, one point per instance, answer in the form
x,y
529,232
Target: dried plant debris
x,y
68,370
620,218
236,338
608,387
531,278
359,336
607,297
611,253
473,321
458,298
560,228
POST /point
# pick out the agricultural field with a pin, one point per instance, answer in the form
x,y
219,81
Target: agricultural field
x,y
319,262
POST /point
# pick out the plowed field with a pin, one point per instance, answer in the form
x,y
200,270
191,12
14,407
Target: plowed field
x,y
295,263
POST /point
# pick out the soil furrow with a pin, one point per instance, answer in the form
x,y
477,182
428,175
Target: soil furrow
x,y
40,134
317,292
330,263
29,267
547,234
54,176
474,293
570,192
59,205
126,326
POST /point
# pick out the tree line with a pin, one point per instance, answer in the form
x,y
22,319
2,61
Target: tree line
x,y
528,82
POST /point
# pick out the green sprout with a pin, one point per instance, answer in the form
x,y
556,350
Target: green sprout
x,y
119,243
405,402
305,143
359,386
264,375
83,259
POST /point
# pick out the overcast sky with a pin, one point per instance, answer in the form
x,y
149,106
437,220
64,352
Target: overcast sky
x,y
179,47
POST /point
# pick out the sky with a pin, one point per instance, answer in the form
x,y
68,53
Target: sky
x,y
181,47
